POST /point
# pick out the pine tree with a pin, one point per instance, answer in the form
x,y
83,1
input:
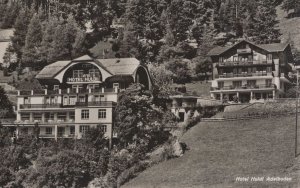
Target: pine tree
x,y
48,37
21,26
34,36
265,24
129,44
68,41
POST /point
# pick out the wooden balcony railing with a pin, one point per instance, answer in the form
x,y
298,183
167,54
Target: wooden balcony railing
x,y
245,74
231,87
96,103
244,63
43,106
67,91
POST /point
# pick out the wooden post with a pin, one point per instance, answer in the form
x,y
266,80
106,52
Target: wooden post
x,y
55,132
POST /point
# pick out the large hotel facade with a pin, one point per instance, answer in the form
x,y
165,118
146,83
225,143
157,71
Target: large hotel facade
x,y
248,72
78,94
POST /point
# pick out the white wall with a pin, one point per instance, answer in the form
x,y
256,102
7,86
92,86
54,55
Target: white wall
x,y
93,115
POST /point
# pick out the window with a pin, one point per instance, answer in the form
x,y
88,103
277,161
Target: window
x,y
235,71
237,84
48,130
268,82
49,116
115,85
220,85
249,70
81,98
84,129
251,83
26,100
72,115
25,116
235,58
66,100
60,131
72,100
221,71
102,127
102,113
269,69
62,116
77,73
93,87
269,56
37,116
221,59
72,130
75,87
56,87
94,73
85,114
51,100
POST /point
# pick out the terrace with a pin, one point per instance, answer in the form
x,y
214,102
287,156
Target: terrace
x,y
66,91
246,87
244,74
244,63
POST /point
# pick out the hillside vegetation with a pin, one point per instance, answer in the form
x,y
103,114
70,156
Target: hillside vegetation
x,y
220,152
289,27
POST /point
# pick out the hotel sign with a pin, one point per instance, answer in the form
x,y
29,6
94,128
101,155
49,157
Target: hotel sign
x,y
84,78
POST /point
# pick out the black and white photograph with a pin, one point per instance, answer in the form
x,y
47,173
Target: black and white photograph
x,y
149,94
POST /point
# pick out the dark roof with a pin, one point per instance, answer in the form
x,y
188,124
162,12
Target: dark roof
x,y
120,66
274,47
51,70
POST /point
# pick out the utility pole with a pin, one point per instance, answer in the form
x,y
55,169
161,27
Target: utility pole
x,y
296,127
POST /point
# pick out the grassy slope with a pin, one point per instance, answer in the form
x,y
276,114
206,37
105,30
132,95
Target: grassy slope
x,y
289,25
220,152
202,88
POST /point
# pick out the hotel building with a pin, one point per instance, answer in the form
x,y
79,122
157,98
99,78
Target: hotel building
x,y
249,72
78,94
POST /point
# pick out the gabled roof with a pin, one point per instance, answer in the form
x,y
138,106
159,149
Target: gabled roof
x,y
274,47
120,66
84,58
51,70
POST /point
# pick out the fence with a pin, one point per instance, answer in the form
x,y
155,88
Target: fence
x,y
250,117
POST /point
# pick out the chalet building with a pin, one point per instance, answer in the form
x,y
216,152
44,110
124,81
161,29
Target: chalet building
x,y
189,106
78,94
247,72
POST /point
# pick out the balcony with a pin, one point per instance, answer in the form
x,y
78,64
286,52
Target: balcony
x,y
39,106
245,74
66,91
244,63
96,103
244,51
246,87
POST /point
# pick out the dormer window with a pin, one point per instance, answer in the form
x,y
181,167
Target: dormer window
x,y
56,87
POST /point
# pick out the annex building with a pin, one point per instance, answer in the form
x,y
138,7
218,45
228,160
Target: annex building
x,y
78,94
248,72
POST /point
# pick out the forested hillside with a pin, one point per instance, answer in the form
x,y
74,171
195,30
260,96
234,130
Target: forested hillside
x,y
166,31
